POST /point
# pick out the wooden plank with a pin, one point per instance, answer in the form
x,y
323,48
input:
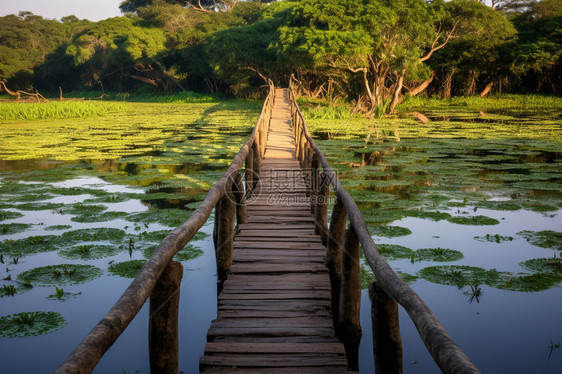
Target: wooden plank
x,y
326,348
277,268
301,360
269,322
270,331
251,313
280,295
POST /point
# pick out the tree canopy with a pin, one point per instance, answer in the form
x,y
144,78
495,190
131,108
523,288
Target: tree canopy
x,y
371,51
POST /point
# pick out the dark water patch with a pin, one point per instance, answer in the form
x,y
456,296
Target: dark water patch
x,y
63,274
30,324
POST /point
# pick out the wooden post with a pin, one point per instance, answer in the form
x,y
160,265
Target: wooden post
x,y
321,210
314,181
334,254
387,343
256,163
349,327
239,196
249,164
163,322
224,235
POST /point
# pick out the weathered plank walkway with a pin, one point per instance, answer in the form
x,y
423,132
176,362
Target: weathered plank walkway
x,y
274,311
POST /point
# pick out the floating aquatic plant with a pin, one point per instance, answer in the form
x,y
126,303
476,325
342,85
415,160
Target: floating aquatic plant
x,y
474,220
62,295
57,227
497,238
189,252
11,288
95,235
30,245
13,228
434,216
30,324
89,252
127,269
549,265
7,214
103,217
389,231
394,252
57,275
437,254
545,239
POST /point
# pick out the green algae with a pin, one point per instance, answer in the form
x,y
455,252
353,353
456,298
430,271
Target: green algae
x,y
127,269
30,324
89,252
437,254
545,239
389,231
474,220
63,274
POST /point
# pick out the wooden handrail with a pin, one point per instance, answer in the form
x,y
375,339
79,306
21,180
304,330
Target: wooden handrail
x,y
89,351
448,356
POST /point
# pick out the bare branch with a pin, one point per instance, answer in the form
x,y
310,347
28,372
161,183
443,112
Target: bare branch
x,y
448,36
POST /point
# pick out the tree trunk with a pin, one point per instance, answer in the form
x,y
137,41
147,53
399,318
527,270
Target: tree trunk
x,y
397,92
447,87
486,89
422,87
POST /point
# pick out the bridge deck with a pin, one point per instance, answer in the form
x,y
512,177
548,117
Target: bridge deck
x,y
274,312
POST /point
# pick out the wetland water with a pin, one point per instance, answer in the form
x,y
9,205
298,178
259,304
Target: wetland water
x,y
473,224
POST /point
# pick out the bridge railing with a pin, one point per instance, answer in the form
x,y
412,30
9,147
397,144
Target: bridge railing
x,y
160,277
343,263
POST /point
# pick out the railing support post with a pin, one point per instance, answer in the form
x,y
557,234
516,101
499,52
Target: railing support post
x,y
334,254
321,209
314,181
163,322
249,165
349,327
223,235
387,343
256,163
238,192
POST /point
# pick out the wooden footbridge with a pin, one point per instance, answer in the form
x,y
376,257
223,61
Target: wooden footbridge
x,y
289,293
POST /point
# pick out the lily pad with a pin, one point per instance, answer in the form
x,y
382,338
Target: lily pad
x,y
11,288
437,254
474,220
394,252
95,235
56,275
532,283
30,245
166,217
462,275
434,216
62,295
30,324
89,252
57,227
127,269
389,231
552,265
103,217
545,239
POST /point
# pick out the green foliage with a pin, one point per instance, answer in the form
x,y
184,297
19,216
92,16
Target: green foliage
x,y
30,324
56,110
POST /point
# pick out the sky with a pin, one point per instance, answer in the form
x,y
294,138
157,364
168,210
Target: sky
x,y
94,10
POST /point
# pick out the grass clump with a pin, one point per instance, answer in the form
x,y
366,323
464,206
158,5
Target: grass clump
x,y
30,324
56,275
